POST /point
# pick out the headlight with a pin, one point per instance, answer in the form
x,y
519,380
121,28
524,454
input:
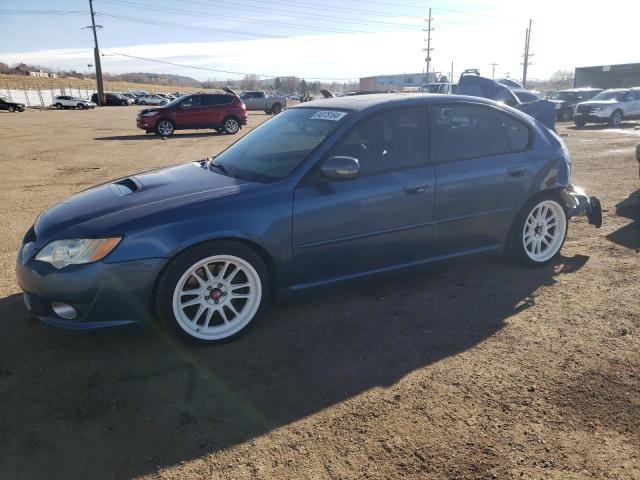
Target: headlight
x,y
61,253
150,114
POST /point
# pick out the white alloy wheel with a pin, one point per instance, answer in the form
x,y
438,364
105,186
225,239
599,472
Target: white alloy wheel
x,y
231,125
544,231
217,297
165,128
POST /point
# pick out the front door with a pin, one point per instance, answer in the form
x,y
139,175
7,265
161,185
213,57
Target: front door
x,y
482,162
189,112
381,219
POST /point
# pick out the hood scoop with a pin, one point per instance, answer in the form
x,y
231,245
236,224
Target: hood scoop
x,y
126,186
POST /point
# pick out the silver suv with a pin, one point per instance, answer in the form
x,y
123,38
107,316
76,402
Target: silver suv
x,y
610,106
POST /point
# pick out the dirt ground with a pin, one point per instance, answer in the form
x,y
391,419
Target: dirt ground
x,y
474,370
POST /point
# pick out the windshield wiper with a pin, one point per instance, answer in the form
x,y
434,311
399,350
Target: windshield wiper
x,y
210,163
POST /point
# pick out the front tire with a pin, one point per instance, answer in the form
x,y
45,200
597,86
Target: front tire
x,y
165,128
11,109
81,106
615,119
213,292
231,125
539,231
580,123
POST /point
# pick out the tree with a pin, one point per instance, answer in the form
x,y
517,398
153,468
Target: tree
x,y
304,87
277,84
561,79
250,82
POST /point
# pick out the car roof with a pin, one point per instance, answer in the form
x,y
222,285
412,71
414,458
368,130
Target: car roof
x,y
581,89
363,102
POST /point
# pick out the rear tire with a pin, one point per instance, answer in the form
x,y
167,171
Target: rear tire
x,y
58,106
539,231
165,128
580,123
208,277
231,125
276,108
11,109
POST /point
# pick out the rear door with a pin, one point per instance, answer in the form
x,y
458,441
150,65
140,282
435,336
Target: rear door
x,y
482,157
634,103
381,219
211,111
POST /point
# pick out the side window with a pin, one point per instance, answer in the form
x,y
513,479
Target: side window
x,y
223,99
258,95
468,131
209,100
387,141
191,102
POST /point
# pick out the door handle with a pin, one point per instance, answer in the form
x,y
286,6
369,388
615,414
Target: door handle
x,y
415,189
516,171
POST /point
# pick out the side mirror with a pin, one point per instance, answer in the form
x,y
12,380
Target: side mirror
x,y
341,168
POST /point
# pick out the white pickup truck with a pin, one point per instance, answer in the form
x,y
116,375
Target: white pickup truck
x,y
258,100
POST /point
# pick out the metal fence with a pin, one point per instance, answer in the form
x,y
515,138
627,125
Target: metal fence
x,y
43,98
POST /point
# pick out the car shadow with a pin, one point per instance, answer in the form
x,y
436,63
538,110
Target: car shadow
x,y
123,403
629,235
157,137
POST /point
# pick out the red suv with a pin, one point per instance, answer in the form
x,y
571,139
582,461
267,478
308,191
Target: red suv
x,y
222,111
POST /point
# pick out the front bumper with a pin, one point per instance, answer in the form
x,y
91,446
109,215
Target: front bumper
x,y
595,117
578,203
103,294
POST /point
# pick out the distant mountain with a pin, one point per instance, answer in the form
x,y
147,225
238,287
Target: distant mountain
x,y
151,78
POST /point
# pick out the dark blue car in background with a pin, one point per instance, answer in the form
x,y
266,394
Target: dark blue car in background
x,y
326,191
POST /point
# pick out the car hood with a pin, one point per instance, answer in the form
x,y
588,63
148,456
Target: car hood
x,y
607,103
147,192
146,110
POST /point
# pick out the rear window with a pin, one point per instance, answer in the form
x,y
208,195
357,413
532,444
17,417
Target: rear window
x,y
463,131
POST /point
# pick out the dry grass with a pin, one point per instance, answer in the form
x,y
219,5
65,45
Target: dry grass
x,y
22,82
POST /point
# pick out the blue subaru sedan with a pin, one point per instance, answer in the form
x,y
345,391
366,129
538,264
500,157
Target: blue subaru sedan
x,y
324,192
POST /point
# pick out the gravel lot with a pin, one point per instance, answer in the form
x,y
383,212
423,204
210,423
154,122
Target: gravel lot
x,y
475,370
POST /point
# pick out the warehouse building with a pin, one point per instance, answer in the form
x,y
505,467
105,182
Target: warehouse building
x,y
400,82
608,76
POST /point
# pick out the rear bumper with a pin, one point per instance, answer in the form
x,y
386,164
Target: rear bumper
x,y
578,203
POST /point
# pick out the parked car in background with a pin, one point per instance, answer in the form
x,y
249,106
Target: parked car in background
x,y
113,99
511,83
223,112
609,106
152,100
441,88
6,104
130,96
66,101
526,96
566,100
259,100
327,191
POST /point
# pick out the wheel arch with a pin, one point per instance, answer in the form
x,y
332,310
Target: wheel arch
x,y
258,249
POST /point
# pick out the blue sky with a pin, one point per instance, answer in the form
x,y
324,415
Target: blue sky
x,y
328,39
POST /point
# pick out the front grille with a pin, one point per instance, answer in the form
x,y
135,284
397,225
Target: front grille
x,y
586,109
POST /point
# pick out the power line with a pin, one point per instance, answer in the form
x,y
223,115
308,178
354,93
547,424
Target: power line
x,y
194,67
297,26
42,12
313,16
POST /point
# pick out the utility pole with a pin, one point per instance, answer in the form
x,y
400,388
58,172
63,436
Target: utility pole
x,y
493,73
96,54
428,49
526,63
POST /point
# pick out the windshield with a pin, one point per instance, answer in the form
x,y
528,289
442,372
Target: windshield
x,y
611,95
274,149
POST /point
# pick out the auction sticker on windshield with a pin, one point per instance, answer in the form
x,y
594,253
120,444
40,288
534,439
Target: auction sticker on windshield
x,y
328,115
